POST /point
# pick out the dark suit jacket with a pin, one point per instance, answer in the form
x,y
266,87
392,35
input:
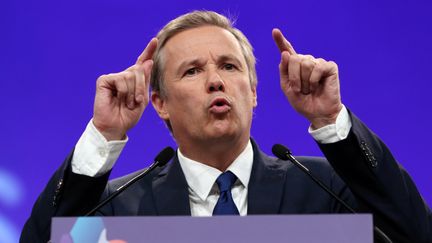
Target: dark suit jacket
x,y
371,181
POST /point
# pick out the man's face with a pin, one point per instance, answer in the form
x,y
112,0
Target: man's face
x,y
208,92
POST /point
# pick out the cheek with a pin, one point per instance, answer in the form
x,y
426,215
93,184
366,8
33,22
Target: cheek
x,y
247,95
184,100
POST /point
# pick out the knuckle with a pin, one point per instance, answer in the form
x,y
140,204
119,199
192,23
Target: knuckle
x,y
105,79
121,86
128,75
310,57
333,64
296,58
101,78
314,79
319,68
321,60
308,64
121,89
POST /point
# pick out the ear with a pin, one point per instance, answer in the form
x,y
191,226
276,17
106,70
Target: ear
x,y
159,104
254,96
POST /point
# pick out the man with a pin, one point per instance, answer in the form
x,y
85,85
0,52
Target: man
x,y
202,74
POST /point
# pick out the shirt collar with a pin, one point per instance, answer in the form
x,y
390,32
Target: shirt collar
x,y
201,177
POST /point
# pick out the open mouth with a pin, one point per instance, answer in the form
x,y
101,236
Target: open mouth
x,y
220,102
220,105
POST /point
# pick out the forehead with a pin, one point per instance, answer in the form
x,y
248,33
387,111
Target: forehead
x,y
201,42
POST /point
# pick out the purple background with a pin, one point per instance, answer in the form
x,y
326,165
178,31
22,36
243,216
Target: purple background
x,y
52,52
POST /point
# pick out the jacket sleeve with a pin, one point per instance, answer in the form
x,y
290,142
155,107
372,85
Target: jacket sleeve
x,y
380,185
66,194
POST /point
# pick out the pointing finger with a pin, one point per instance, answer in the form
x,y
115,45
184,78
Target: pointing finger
x,y
148,52
282,43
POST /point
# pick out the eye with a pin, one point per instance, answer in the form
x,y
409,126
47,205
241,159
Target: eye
x,y
191,72
229,66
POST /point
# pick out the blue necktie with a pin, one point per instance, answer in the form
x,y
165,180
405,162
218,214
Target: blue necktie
x,y
225,205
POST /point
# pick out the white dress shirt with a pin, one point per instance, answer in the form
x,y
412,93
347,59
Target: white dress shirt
x,y
203,190
94,156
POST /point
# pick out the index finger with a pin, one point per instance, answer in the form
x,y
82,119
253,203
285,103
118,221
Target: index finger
x,y
282,43
148,52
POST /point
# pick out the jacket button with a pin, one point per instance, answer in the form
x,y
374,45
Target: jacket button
x,y
368,153
57,192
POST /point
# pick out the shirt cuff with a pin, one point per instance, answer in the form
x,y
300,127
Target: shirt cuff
x,y
334,132
94,155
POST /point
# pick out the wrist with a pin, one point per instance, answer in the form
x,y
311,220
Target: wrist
x,y
318,123
322,121
334,132
109,134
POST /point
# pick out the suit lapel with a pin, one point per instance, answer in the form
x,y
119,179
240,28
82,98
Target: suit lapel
x,y
266,184
265,189
170,191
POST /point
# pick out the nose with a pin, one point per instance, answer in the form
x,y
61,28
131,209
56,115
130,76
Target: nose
x,y
215,83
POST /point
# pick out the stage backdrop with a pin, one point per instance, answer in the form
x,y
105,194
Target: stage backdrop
x,y
53,51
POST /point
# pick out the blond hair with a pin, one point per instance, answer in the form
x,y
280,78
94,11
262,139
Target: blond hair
x,y
193,20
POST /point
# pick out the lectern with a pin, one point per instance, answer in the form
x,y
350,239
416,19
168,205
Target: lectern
x,y
333,228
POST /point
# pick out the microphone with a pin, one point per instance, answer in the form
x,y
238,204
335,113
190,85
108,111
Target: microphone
x,y
161,159
284,153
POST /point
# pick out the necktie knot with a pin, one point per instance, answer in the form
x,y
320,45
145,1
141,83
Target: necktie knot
x,y
225,181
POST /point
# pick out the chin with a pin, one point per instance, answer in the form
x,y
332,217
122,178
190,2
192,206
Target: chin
x,y
223,132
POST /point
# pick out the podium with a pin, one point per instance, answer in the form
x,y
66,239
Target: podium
x,y
332,228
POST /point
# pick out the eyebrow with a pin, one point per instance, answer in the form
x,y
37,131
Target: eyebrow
x,y
229,57
190,62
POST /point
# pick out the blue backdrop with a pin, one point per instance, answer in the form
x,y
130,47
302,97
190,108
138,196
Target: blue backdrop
x,y
52,52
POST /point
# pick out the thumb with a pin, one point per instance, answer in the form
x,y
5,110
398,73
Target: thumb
x,y
147,66
143,72
283,65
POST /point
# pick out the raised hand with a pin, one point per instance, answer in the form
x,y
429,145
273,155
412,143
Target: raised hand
x,y
310,84
122,97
